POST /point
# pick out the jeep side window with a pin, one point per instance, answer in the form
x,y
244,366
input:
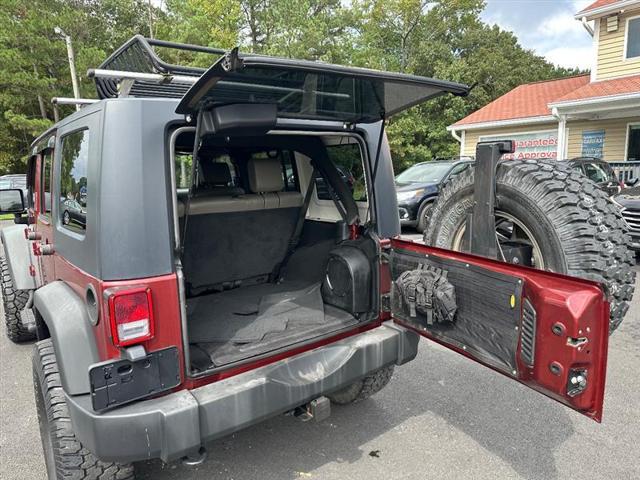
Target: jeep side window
x,y
47,165
224,158
183,170
291,181
31,182
347,158
73,181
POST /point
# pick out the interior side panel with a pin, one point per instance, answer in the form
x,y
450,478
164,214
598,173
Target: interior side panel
x,y
488,308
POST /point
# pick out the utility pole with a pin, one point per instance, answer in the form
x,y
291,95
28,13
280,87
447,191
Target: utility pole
x,y
150,20
72,62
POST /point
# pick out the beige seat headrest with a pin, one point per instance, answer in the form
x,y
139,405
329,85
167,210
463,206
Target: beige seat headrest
x,y
265,175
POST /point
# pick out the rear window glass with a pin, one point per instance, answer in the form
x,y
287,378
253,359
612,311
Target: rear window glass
x,y
312,90
73,181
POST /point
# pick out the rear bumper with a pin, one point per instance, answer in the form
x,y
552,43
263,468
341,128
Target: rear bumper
x,y
179,423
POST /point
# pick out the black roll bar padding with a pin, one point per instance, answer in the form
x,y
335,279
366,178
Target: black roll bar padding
x,y
481,224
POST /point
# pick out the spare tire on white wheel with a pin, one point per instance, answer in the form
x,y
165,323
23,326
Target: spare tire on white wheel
x,y
570,224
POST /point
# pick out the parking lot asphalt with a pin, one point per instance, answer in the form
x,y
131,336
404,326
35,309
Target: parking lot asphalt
x,y
441,417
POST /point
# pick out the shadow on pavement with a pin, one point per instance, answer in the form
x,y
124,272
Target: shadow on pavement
x,y
449,405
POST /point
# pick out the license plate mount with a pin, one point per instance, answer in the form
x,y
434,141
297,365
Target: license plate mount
x,y
117,382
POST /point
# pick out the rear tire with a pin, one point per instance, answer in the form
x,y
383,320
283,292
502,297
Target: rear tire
x,y
364,388
14,302
579,231
65,457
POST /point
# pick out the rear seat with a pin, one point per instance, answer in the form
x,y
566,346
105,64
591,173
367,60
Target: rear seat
x,y
216,180
235,238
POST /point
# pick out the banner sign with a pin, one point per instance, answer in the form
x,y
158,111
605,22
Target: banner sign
x,y
529,145
592,143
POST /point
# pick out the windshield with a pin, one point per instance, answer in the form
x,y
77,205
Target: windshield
x,y
426,172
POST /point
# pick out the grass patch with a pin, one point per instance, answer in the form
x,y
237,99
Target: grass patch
x,y
6,216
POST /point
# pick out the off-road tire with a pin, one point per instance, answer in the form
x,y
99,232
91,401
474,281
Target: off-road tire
x,y
425,214
14,302
65,457
579,231
364,388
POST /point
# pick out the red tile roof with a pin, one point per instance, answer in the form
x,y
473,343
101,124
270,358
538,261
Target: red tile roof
x,y
597,4
528,100
603,88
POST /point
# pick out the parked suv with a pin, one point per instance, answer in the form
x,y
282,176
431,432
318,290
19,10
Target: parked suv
x,y
600,172
173,316
629,202
418,186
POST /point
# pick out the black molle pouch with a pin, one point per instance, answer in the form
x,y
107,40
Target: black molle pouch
x,y
426,291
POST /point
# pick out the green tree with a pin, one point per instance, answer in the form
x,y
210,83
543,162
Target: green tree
x,y
33,60
440,38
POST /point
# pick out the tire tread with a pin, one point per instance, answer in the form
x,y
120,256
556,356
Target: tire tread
x,y
73,460
590,228
14,301
364,388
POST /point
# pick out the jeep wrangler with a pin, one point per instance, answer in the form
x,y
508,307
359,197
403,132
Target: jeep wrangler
x,y
195,261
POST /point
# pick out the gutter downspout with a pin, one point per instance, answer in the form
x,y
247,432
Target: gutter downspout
x,y
586,26
562,134
454,134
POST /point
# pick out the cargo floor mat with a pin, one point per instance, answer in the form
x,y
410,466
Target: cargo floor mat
x,y
249,315
249,321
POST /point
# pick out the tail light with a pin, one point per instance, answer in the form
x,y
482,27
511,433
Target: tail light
x,y
131,315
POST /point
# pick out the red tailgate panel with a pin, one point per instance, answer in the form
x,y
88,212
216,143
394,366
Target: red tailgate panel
x,y
561,324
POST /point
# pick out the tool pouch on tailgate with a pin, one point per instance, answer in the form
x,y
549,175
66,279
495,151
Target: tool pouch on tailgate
x,y
426,291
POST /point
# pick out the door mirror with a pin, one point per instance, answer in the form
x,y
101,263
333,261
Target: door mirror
x,y
632,182
11,200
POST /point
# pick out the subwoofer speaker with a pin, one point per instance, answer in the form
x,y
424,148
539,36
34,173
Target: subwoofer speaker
x,y
347,281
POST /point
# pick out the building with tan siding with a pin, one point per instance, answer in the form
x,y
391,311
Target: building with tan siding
x,y
596,115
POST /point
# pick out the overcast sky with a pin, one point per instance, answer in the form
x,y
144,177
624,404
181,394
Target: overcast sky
x,y
545,26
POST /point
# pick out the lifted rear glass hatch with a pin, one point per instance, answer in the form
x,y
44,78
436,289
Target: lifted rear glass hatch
x,y
311,90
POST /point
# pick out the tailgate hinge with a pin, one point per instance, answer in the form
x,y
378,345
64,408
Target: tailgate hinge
x,y
385,302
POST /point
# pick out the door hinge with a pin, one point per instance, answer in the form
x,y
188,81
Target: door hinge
x,y
385,302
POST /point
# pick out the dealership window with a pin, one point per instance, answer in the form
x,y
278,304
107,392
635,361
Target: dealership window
x,y
73,181
633,38
633,143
